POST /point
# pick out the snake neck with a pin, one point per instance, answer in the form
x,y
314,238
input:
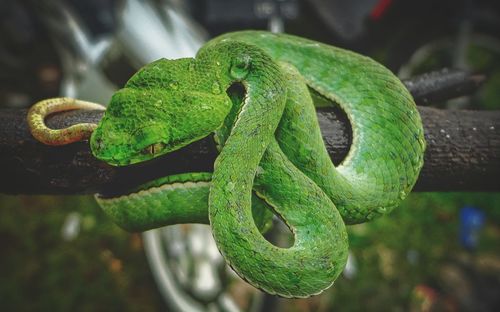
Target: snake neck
x,y
247,75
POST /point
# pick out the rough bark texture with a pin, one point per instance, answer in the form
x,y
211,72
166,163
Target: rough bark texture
x,y
442,85
463,154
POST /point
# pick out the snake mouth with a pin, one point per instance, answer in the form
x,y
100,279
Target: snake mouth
x,y
129,179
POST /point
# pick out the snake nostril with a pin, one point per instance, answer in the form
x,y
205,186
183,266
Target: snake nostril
x,y
98,144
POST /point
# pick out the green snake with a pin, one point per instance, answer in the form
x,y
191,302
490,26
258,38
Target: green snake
x,y
255,91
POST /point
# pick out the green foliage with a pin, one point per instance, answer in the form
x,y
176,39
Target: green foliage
x,y
103,268
409,247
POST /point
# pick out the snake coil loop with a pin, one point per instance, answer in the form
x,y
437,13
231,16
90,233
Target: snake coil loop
x,y
272,157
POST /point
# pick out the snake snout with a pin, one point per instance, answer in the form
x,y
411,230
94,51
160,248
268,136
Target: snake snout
x,y
98,144
99,148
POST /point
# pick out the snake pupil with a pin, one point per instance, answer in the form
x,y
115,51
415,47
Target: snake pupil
x,y
153,148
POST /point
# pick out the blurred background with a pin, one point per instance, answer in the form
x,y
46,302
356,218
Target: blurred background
x,y
437,252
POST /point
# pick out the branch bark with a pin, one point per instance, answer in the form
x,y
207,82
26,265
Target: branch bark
x,y
463,148
463,154
442,85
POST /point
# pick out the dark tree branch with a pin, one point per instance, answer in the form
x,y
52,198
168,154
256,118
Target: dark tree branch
x,y
463,154
442,85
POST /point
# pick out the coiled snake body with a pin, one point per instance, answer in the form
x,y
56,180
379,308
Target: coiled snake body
x,y
271,151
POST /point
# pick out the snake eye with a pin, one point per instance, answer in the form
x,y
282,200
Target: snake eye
x,y
153,149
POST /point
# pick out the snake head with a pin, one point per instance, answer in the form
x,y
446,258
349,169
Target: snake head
x,y
149,118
